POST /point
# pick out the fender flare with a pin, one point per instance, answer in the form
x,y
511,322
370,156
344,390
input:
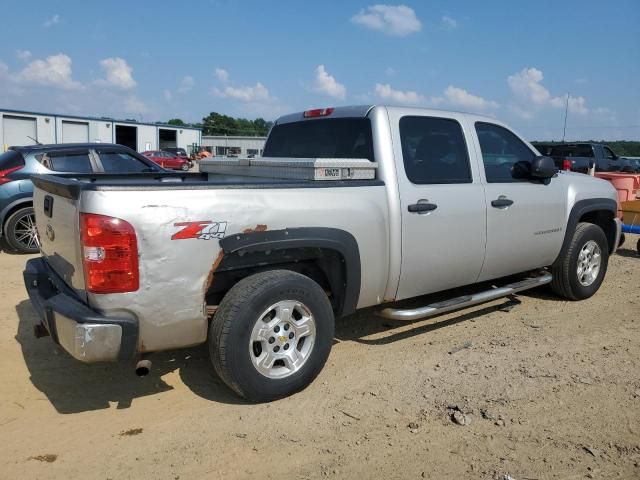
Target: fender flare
x,y
306,237
578,210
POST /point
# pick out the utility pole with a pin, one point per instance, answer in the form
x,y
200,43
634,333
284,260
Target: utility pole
x,y
566,112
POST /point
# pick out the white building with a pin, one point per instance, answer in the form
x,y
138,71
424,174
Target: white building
x,y
28,128
221,145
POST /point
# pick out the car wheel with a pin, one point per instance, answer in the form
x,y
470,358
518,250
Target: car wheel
x,y
638,246
271,335
622,240
579,271
185,167
20,231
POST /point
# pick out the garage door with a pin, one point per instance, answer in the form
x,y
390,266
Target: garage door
x,y
17,130
75,132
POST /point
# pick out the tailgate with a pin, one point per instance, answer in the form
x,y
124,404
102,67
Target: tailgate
x,y
57,213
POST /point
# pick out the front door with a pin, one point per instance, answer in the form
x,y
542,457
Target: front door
x,y
525,218
442,202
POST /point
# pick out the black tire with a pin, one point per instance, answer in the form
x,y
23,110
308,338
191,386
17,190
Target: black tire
x,y
638,246
14,231
241,308
184,167
565,277
622,240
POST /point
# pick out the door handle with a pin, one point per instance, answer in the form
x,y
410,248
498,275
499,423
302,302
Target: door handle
x,y
501,202
422,207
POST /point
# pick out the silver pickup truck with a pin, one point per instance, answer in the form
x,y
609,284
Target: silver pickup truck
x,y
260,265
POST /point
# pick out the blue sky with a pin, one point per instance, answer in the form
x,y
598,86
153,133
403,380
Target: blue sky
x,y
159,60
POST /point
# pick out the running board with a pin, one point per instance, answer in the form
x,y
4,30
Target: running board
x,y
465,300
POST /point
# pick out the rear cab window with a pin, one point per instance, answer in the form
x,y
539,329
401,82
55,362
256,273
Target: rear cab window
x,y
114,161
506,158
434,151
572,151
325,138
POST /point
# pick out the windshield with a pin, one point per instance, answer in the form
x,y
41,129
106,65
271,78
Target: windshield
x,y
328,138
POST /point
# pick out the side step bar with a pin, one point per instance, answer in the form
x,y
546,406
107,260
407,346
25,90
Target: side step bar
x,y
465,300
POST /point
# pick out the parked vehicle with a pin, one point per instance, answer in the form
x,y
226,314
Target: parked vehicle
x,y
168,160
18,164
259,266
579,157
180,152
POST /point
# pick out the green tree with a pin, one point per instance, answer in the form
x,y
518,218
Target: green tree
x,y
177,122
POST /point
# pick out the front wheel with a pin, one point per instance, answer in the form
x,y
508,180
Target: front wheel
x,y
184,167
20,231
271,335
579,271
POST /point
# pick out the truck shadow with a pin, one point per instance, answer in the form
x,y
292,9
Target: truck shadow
x,y
366,323
74,387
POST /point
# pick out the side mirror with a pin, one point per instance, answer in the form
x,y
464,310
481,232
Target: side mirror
x,y
543,167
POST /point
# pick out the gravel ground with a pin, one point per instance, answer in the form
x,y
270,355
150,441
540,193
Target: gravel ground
x,y
542,389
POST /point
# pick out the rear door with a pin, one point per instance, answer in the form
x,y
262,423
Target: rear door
x,y
525,218
442,202
74,161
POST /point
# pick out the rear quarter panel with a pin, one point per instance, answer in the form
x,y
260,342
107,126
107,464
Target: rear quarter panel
x,y
174,273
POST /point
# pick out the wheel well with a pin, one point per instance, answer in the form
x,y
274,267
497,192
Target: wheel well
x,y
324,266
604,219
11,211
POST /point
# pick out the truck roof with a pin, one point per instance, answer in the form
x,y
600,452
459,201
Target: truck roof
x,y
361,111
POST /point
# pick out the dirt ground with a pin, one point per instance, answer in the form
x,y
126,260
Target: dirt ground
x,y
549,389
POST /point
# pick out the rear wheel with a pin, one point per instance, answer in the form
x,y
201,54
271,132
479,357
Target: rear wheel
x,y
20,231
184,167
271,335
580,270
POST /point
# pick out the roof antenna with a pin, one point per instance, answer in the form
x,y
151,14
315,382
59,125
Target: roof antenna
x,y
31,138
566,111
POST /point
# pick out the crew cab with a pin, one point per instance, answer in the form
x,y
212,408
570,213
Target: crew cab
x,y
259,265
18,164
580,157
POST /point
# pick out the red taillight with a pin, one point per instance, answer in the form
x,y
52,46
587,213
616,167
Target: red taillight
x,y
4,173
318,112
566,164
109,254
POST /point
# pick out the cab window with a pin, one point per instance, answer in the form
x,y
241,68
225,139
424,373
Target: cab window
x,y
434,150
506,158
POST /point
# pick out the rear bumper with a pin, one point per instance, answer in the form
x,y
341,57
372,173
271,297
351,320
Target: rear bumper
x,y
84,333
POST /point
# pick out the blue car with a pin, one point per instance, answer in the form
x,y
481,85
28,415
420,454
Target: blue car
x,y
18,164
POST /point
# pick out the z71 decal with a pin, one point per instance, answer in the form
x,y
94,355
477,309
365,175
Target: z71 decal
x,y
204,230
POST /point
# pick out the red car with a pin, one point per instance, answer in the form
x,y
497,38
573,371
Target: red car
x,y
168,160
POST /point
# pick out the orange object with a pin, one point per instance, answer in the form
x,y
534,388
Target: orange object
x,y
626,184
631,213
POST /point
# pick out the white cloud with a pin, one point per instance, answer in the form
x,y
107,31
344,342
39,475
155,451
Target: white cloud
x,y
327,84
449,23
54,71
396,20
51,21
133,104
24,55
527,85
531,96
118,73
390,72
458,97
186,84
222,75
168,96
408,97
246,94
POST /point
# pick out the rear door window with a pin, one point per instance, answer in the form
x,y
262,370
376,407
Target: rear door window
x,y
122,162
434,150
76,161
328,138
506,158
